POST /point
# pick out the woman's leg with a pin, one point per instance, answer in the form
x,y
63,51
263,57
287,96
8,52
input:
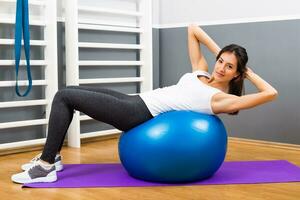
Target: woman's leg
x,y
97,89
120,110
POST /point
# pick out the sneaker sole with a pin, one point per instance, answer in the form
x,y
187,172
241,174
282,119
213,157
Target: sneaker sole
x,y
47,179
43,180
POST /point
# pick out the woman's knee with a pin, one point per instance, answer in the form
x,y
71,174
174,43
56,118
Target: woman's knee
x,y
63,93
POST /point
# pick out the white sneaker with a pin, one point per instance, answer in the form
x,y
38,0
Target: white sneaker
x,y
58,162
37,173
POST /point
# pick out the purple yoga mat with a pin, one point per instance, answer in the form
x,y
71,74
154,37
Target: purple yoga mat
x,y
114,175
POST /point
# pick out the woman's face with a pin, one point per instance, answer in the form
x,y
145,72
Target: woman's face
x,y
225,68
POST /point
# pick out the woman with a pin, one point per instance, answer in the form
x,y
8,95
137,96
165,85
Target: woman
x,y
228,74
197,91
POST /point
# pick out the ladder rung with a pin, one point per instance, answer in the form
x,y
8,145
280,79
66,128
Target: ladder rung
x,y
23,62
31,22
109,11
106,23
100,133
84,117
111,80
105,63
24,123
109,28
109,45
32,42
13,104
22,83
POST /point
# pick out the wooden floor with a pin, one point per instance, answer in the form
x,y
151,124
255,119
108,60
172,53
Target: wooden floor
x,y
106,152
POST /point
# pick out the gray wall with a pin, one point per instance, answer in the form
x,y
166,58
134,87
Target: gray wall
x,y
273,49
156,58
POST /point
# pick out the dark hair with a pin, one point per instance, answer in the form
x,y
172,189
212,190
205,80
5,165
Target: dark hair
x,y
236,85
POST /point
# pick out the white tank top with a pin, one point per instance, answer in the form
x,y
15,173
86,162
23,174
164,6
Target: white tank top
x,y
188,94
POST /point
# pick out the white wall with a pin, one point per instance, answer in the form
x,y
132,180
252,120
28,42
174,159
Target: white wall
x,y
225,11
155,12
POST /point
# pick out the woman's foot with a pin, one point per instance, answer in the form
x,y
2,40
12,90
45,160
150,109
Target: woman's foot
x,y
38,172
58,162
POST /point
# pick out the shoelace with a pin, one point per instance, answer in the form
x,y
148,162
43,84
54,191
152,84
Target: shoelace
x,y
36,158
35,163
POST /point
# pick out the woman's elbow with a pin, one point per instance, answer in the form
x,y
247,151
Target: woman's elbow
x,y
276,94
272,95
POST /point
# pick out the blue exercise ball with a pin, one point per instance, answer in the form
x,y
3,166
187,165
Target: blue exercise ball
x,y
173,147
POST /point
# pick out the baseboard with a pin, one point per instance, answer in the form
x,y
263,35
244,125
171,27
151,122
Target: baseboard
x,y
265,143
40,146
100,138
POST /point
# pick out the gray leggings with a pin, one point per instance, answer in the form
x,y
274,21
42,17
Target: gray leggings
x,y
117,109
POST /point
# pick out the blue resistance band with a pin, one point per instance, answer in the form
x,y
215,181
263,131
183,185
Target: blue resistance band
x,y
22,26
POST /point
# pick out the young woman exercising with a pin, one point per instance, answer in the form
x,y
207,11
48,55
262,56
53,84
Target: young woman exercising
x,y
219,92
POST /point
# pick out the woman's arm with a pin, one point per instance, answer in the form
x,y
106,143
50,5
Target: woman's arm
x,y
196,36
227,103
